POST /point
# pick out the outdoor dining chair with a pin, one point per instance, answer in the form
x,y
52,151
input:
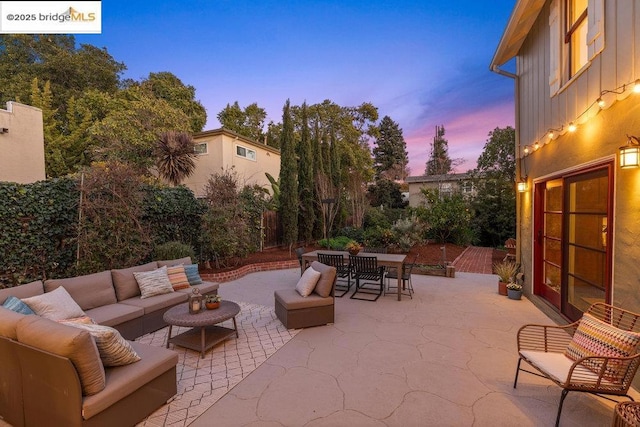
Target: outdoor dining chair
x,y
597,354
392,277
369,276
343,271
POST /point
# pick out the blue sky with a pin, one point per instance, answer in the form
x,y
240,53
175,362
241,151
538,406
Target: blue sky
x,y
422,63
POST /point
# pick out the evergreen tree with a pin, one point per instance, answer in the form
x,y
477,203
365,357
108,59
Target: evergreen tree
x,y
494,205
288,179
248,122
390,154
306,216
439,162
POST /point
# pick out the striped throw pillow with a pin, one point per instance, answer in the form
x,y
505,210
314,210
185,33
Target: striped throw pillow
x,y
113,348
155,282
594,337
16,304
193,275
178,277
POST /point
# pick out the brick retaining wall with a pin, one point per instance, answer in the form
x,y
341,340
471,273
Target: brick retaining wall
x,y
251,268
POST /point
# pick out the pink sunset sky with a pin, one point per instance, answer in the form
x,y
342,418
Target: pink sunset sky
x,y
421,63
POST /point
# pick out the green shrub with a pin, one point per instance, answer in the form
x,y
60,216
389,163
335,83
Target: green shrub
x,y
406,233
336,243
378,237
356,234
174,250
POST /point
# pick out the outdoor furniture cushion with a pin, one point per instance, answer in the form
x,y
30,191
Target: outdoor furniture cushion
x,y
23,291
55,305
173,262
154,282
193,275
8,322
114,314
114,350
593,337
178,277
89,291
16,304
308,281
157,302
72,343
204,288
291,299
327,278
125,283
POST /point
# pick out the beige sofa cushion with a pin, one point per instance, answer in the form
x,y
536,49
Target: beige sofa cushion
x,y
90,291
66,341
114,314
22,291
124,380
8,322
173,262
124,282
328,277
291,299
157,302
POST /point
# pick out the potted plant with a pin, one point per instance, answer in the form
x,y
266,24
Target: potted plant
x,y
506,271
353,247
514,290
212,301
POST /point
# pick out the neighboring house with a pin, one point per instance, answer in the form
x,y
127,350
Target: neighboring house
x,y
447,184
578,219
22,144
221,149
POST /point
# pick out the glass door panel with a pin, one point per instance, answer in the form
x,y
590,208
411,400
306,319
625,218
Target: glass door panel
x,y
586,271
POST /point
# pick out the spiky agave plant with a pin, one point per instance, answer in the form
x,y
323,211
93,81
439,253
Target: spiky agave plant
x,y
175,157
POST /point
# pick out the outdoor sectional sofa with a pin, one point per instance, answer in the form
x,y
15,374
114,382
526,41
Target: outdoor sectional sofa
x,y
46,365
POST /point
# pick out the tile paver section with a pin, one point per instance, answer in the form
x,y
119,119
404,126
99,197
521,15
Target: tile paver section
x,y
475,259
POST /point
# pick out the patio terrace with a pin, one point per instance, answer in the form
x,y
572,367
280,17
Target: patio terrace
x,y
447,357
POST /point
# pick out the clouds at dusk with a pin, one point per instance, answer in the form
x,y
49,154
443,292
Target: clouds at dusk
x,y
421,63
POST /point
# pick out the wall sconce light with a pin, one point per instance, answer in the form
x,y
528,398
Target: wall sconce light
x,y
630,153
522,185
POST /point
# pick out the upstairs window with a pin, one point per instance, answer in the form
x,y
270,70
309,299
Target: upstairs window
x,y
245,152
575,37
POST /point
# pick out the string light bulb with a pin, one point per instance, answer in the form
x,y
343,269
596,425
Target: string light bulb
x,y
526,150
551,134
572,127
636,86
536,145
600,102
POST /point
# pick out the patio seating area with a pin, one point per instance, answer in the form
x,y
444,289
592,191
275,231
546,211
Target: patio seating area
x,y
445,357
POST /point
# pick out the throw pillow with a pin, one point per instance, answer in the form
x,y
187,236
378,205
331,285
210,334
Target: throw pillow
x,y
155,282
17,305
54,305
193,275
178,277
83,319
113,348
307,282
594,337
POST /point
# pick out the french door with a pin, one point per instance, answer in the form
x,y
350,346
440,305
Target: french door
x,y
572,245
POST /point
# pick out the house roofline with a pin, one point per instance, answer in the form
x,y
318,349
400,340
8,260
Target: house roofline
x,y
235,135
523,16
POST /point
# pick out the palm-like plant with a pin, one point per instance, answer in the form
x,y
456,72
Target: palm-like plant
x,y
175,157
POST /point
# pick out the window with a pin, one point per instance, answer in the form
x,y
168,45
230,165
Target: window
x,y
245,152
200,148
576,36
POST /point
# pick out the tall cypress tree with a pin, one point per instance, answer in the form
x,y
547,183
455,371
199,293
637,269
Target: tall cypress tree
x,y
318,168
288,179
306,215
439,162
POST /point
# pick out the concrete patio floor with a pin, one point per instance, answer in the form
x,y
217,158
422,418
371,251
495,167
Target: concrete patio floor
x,y
447,357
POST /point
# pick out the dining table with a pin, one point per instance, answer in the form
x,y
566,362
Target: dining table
x,y
385,260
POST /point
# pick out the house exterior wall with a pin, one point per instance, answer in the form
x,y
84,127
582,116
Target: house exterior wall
x,y
221,155
446,184
22,146
599,134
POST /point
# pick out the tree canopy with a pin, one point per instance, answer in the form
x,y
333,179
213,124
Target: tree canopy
x,y
248,122
439,162
390,155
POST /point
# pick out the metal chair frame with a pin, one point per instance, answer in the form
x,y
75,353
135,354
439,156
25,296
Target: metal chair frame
x,y
343,271
392,276
368,275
